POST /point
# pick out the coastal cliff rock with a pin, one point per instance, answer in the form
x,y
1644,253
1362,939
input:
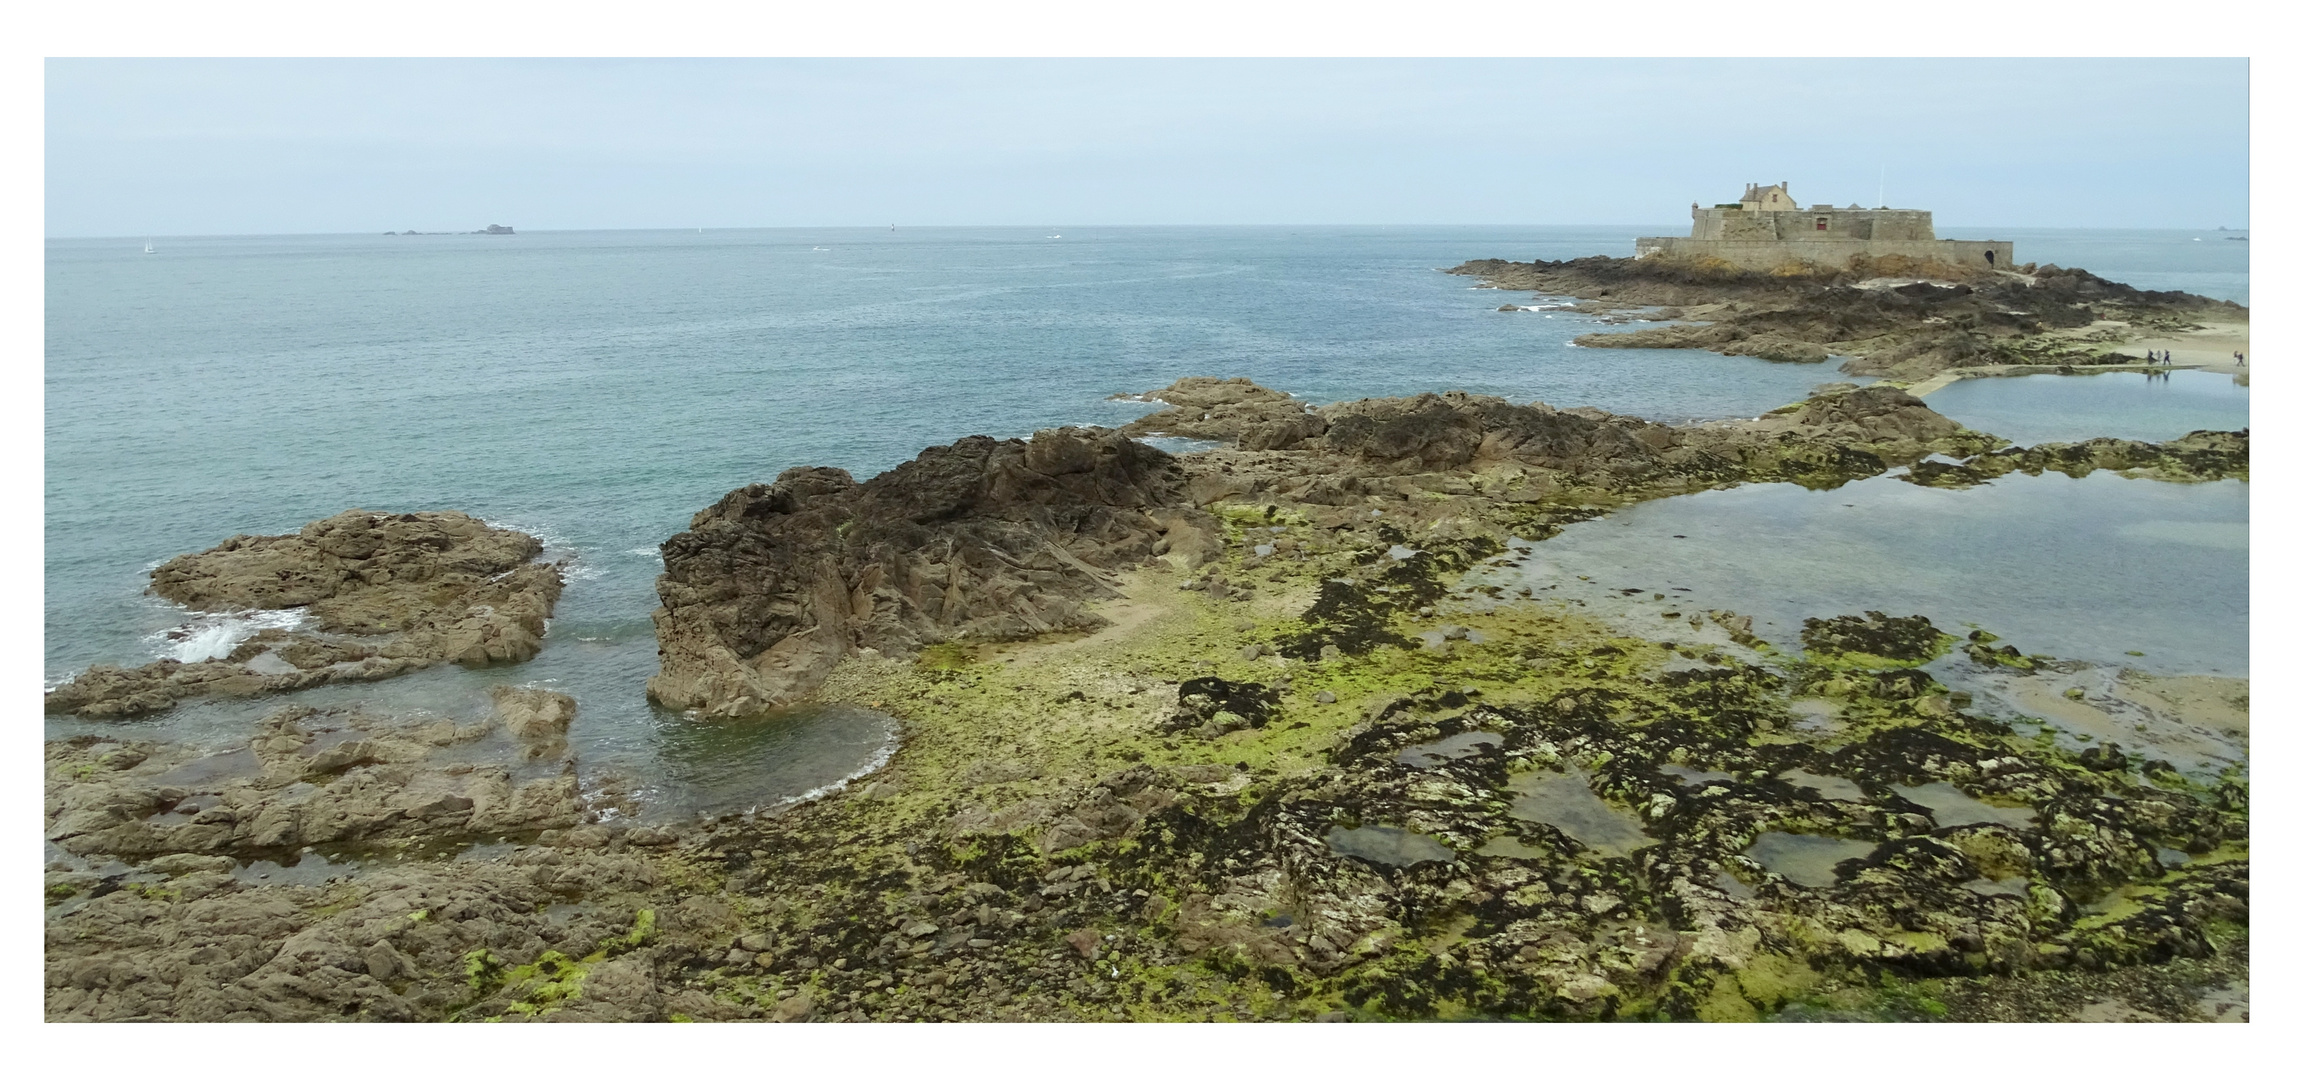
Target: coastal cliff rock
x,y
385,594
1893,316
978,540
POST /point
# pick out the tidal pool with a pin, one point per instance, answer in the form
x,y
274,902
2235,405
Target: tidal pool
x,y
1506,847
1452,748
2030,409
2011,886
636,764
2090,569
1387,846
1951,806
1807,860
1564,801
1833,788
1693,777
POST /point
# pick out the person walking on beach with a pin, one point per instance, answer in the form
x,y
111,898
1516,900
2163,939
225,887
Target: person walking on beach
x,y
2169,358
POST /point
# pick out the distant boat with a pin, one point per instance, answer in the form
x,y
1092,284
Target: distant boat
x,y
1057,236
821,249
148,247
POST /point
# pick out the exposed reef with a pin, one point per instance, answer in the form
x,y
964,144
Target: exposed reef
x,y
382,594
994,541
1891,316
1226,735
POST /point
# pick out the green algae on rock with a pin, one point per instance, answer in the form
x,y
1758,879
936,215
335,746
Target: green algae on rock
x,y
1141,810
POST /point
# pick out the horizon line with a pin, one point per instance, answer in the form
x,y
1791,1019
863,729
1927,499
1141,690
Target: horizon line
x,y
895,227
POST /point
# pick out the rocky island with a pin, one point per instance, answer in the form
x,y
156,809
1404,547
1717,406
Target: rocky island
x,y
384,594
1913,320
1219,735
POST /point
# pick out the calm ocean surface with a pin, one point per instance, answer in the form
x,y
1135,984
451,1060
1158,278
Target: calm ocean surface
x,y
598,388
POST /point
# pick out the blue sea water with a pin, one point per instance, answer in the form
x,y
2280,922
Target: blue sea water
x,y
598,388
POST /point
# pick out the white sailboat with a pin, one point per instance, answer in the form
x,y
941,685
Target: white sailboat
x,y
148,247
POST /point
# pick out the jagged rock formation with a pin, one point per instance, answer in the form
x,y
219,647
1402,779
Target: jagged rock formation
x,y
1893,316
387,594
981,539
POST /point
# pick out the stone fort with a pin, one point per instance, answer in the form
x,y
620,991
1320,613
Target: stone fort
x,y
1766,230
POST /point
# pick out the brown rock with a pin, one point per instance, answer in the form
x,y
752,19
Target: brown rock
x,y
410,590
979,540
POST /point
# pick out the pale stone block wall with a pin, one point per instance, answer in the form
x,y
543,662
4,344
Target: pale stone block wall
x,y
1768,253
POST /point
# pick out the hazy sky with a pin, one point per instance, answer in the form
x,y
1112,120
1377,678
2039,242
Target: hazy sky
x,y
177,147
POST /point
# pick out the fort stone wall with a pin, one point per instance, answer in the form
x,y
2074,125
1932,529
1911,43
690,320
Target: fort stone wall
x,y
1771,253
1767,230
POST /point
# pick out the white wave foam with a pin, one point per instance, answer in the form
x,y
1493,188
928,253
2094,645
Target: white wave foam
x,y
208,637
551,544
645,552
584,573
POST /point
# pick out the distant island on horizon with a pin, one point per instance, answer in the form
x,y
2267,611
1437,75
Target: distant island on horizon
x,y
487,230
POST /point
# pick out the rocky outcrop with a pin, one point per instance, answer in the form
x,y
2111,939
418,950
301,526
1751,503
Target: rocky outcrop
x,y
536,718
1880,416
384,594
1234,411
978,540
989,540
1892,316
1908,639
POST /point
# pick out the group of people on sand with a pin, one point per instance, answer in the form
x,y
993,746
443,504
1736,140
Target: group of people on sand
x,y
2166,357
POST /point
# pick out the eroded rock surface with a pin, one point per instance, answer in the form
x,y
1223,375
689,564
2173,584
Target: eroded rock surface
x,y
307,777
979,540
385,593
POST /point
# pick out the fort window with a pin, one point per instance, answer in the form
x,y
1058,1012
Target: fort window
x,y
1820,224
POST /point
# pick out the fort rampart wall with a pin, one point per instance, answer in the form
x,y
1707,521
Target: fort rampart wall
x,y
1824,249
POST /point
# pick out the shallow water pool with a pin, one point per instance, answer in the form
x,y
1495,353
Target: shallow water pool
x,y
1387,846
2090,569
2031,409
635,764
1565,801
1807,860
